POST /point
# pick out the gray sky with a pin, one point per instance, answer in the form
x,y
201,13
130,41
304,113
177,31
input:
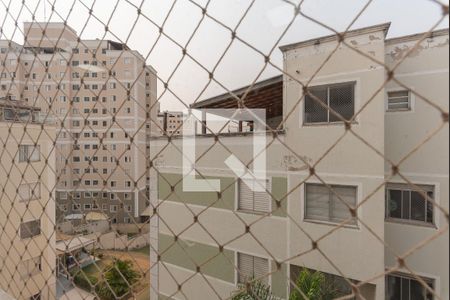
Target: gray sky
x,y
240,65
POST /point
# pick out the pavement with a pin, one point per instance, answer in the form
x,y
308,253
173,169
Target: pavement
x,y
65,290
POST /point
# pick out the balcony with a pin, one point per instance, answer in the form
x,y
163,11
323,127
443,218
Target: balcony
x,y
15,111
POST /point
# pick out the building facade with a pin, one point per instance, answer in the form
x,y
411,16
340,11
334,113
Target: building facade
x,y
332,202
27,211
102,96
170,122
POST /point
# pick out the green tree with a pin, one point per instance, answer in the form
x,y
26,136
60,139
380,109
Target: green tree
x,y
314,286
254,290
119,279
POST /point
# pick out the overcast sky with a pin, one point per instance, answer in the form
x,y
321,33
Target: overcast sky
x,y
262,27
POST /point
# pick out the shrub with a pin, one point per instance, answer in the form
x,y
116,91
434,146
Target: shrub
x,y
314,286
86,282
254,291
119,279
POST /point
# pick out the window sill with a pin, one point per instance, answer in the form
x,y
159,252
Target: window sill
x,y
252,212
399,110
329,223
323,124
30,238
411,223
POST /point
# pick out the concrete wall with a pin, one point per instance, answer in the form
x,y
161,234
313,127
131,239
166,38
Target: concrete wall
x,y
14,249
426,72
351,162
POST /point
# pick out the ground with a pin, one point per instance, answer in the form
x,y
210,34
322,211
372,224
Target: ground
x,y
141,262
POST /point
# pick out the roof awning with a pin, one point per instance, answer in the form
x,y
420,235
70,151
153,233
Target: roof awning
x,y
148,212
73,217
267,94
74,244
96,216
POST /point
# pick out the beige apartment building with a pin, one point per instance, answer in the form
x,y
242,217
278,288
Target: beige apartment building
x,y
207,243
170,122
27,210
102,96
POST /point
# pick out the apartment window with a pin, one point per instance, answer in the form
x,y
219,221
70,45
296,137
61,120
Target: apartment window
x,y
76,207
128,208
30,229
104,206
253,200
113,208
399,286
87,195
29,192
127,184
87,206
252,267
113,184
338,97
76,87
323,204
399,101
405,203
29,153
63,195
112,85
127,196
76,123
29,268
75,63
127,220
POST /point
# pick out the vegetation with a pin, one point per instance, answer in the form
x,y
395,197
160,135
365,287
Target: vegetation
x,y
85,281
314,286
118,280
254,290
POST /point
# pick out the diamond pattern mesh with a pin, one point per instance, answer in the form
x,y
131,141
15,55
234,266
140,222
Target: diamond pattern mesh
x,y
89,210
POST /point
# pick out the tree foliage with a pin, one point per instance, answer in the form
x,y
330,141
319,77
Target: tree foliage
x,y
254,290
313,286
119,279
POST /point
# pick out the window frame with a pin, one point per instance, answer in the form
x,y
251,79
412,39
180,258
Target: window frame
x,y
398,186
38,221
34,189
430,281
400,110
351,225
255,212
237,271
354,84
30,155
